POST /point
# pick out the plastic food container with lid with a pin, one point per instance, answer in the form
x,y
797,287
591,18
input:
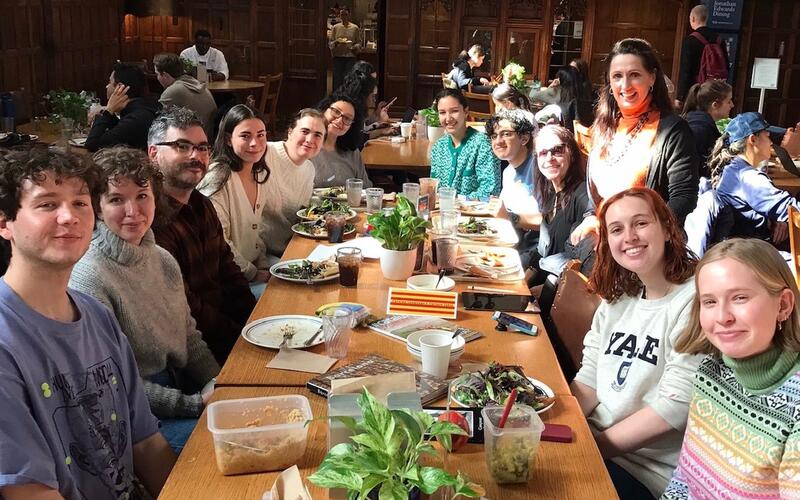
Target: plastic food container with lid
x,y
259,434
511,451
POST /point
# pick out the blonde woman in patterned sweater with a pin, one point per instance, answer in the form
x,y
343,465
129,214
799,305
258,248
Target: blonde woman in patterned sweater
x,y
743,435
463,157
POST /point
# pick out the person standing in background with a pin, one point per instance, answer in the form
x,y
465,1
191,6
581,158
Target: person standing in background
x,y
344,41
202,51
692,51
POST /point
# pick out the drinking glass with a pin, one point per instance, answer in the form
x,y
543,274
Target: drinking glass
x,y
336,325
446,221
428,185
446,253
67,128
411,192
334,225
353,188
374,199
447,198
349,260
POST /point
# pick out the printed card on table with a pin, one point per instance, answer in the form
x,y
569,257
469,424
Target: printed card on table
x,y
422,303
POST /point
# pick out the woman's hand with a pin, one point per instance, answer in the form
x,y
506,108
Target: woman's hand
x,y
118,99
780,231
554,83
588,227
791,141
484,81
262,276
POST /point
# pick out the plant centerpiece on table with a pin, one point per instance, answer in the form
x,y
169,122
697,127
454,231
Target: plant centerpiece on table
x,y
72,105
435,129
383,457
514,75
400,232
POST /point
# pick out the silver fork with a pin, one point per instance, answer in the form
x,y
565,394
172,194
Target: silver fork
x,y
287,336
313,337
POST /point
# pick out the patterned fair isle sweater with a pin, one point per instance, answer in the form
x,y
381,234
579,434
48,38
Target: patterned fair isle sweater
x,y
742,439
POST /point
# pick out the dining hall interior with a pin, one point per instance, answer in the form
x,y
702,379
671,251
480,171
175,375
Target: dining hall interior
x,y
400,249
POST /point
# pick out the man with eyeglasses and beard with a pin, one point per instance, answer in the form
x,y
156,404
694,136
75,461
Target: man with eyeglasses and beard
x,y
217,291
511,134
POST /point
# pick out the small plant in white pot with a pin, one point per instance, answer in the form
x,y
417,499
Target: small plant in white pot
x,y
435,129
400,232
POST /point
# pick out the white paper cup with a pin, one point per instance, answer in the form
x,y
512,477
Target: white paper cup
x,y
435,349
405,129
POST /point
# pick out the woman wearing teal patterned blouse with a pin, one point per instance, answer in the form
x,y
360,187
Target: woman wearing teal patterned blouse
x,y
463,157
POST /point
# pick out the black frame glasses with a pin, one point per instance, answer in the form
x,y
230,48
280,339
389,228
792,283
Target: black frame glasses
x,y
337,113
187,147
557,151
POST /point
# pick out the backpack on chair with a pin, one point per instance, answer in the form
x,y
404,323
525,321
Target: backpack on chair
x,y
712,60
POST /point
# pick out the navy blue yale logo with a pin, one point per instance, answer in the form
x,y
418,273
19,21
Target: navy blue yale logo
x,y
624,345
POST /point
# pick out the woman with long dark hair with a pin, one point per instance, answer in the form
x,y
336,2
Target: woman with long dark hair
x,y
235,185
568,92
633,387
506,96
705,104
340,159
636,139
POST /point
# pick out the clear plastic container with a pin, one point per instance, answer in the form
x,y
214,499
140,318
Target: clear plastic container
x,y
511,451
259,434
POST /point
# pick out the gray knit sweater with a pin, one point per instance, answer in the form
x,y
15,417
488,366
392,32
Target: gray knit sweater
x,y
142,286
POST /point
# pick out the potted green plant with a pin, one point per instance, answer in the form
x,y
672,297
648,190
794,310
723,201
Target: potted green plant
x,y
383,458
514,75
400,232
435,129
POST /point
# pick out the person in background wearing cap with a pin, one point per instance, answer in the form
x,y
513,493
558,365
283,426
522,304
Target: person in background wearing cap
x,y
760,209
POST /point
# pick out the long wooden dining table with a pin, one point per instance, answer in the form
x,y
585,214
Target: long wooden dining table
x,y
563,470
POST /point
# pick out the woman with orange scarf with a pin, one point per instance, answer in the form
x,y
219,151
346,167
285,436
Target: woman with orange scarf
x,y
637,140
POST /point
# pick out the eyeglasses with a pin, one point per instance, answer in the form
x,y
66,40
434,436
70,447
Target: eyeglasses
x,y
503,134
555,151
186,147
338,114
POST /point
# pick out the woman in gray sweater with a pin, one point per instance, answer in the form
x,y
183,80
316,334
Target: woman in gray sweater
x,y
142,285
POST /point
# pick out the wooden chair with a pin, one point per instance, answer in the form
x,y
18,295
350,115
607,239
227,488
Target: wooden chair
x,y
477,116
794,241
481,103
269,98
571,317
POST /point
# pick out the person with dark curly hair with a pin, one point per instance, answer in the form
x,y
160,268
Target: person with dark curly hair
x,y
141,283
633,388
76,422
340,159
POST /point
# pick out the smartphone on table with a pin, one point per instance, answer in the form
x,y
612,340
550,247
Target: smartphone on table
x,y
479,301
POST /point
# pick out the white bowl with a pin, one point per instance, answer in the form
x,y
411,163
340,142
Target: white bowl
x,y
428,282
454,355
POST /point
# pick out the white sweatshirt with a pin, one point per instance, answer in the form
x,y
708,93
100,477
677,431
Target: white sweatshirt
x,y
630,361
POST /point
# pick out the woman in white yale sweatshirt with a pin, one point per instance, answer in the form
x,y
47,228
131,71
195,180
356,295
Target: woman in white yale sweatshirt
x,y
633,387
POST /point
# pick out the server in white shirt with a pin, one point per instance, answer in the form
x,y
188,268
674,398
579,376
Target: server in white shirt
x,y
202,51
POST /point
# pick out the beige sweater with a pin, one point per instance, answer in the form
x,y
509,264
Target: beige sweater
x,y
288,189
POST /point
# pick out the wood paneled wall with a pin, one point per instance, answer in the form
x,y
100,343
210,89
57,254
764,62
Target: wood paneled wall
x,y
48,44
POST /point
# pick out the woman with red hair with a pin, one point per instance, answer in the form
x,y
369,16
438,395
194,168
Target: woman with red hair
x,y
633,388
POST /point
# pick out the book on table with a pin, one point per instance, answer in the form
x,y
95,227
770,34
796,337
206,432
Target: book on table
x,y
430,388
400,327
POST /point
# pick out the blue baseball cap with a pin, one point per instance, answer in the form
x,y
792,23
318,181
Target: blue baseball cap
x,y
744,125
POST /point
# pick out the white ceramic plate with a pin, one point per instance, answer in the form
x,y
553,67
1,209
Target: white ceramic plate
x,y
287,263
78,141
474,236
428,282
506,264
474,207
321,236
540,386
352,215
413,340
322,193
268,332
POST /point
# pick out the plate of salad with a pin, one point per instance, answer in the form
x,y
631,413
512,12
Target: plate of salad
x,y
316,229
306,271
318,211
493,385
476,228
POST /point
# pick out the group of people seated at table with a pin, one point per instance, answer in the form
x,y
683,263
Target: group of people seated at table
x,y
690,367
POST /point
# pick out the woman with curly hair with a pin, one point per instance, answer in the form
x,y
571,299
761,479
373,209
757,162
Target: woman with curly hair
x,y
633,387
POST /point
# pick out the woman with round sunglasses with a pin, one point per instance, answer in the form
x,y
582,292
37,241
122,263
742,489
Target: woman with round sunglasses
x,y
340,159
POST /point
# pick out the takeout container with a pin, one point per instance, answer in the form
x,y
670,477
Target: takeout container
x,y
415,349
259,434
511,451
